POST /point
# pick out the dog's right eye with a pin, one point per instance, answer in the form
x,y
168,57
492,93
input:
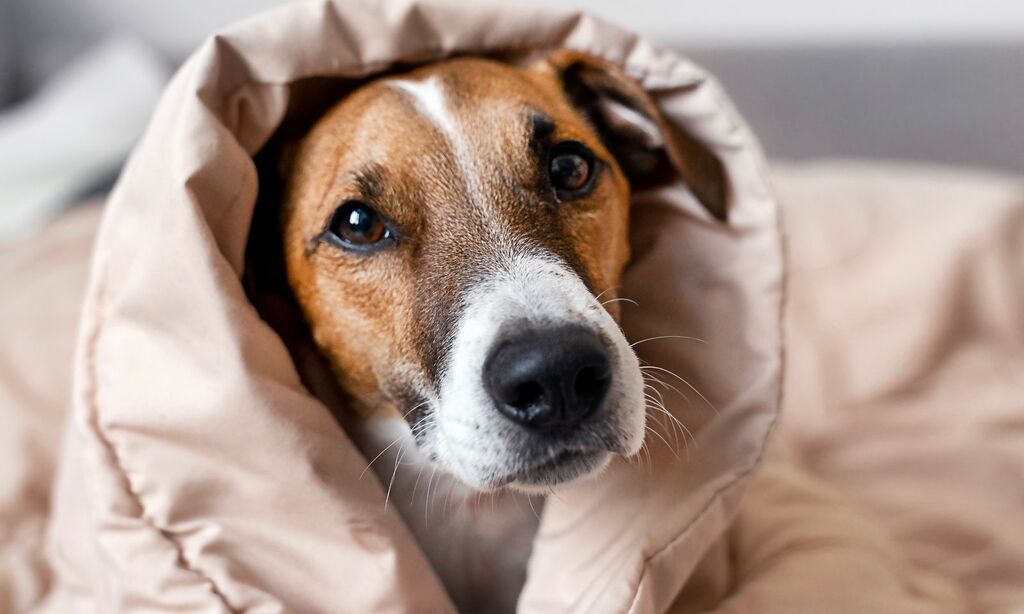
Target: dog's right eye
x,y
357,225
571,170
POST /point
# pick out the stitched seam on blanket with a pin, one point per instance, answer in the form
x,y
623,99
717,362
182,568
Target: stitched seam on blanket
x,y
92,405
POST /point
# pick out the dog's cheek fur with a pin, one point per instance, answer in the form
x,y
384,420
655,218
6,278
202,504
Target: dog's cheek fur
x,y
351,302
600,240
351,312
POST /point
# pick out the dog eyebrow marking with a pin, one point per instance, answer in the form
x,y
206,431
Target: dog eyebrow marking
x,y
542,124
369,181
430,99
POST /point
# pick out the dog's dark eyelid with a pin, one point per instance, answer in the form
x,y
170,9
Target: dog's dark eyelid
x,y
542,126
571,148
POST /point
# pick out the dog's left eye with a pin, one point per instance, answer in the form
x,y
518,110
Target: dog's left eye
x,y
357,224
570,168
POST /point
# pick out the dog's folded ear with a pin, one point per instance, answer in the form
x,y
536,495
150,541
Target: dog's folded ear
x,y
650,151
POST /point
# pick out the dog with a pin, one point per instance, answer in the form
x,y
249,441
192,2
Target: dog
x,y
455,237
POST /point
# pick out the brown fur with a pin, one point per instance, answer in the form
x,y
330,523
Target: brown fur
x,y
382,318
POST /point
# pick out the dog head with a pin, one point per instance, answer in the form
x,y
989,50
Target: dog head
x,y
455,237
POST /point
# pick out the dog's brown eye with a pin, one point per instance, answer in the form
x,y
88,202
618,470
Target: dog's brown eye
x,y
570,168
356,224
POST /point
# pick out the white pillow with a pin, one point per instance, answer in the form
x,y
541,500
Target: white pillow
x,y
74,132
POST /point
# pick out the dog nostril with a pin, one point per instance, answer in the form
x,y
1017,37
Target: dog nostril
x,y
590,381
526,394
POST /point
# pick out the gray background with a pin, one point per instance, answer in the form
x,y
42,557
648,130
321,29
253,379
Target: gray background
x,y
898,95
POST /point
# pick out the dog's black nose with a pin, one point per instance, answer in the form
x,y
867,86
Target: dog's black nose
x,y
549,379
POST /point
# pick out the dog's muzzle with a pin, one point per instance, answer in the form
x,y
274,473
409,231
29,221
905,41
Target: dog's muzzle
x,y
541,387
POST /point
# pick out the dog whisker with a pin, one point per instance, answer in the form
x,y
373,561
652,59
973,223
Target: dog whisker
x,y
659,400
678,377
683,430
653,403
391,483
658,404
620,299
643,458
603,292
416,485
414,408
683,337
650,377
644,461
655,432
532,508
421,426
426,502
675,421
661,423
679,430
653,391
367,468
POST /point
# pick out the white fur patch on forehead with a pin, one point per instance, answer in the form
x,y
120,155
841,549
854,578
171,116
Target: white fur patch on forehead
x,y
430,99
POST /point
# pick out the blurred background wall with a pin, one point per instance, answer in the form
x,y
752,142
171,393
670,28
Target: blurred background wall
x,y
920,79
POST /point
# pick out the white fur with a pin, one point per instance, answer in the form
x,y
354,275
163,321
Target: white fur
x,y
533,290
431,101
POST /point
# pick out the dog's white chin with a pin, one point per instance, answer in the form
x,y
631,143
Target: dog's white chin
x,y
566,477
478,445
533,482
